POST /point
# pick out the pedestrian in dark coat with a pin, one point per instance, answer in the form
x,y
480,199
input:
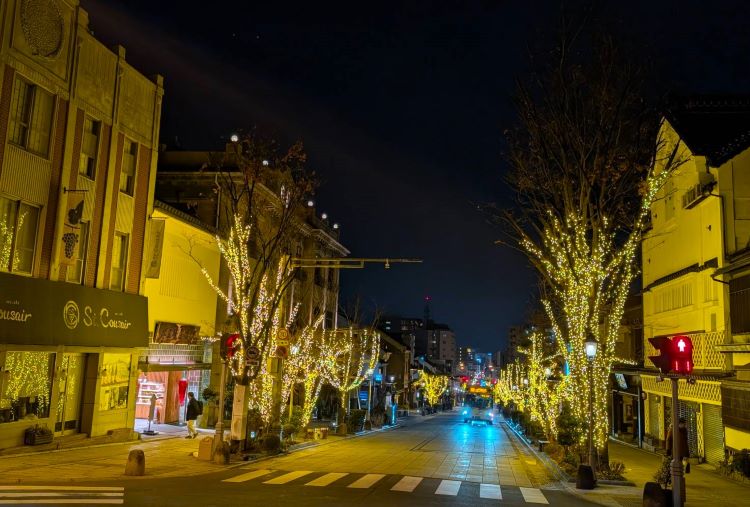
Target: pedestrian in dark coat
x,y
192,413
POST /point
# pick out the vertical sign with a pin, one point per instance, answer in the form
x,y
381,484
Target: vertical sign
x,y
156,243
72,229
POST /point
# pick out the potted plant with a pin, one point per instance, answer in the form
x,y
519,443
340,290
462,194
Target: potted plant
x,y
37,435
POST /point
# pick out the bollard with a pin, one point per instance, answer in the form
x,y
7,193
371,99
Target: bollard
x,y
221,454
136,464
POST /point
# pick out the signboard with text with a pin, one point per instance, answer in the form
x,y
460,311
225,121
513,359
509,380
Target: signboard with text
x,y
35,311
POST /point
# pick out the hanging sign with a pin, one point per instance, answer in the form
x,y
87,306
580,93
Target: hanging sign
x,y
71,229
156,244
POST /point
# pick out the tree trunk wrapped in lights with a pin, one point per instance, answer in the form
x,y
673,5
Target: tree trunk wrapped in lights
x,y
434,386
350,355
304,365
587,162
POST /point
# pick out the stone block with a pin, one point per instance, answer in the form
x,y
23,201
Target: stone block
x,y
136,464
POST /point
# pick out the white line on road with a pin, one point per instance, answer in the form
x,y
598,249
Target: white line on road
x,y
407,484
366,481
283,479
248,476
62,488
490,491
533,495
35,494
325,480
448,488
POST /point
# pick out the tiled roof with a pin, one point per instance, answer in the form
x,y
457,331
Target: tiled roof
x,y
717,127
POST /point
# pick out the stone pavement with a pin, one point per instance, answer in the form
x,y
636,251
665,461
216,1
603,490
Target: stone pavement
x,y
442,447
705,487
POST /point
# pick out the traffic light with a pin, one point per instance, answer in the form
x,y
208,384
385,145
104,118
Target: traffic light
x,y
663,361
682,354
676,354
229,346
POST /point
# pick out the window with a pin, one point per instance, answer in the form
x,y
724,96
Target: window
x,y
18,229
31,111
28,386
119,260
89,148
76,273
129,158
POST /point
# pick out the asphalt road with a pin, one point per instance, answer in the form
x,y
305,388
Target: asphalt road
x,y
437,462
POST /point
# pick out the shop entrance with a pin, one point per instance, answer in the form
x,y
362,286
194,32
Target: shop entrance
x,y
70,388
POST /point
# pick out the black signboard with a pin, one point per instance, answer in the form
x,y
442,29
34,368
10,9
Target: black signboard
x,y
35,311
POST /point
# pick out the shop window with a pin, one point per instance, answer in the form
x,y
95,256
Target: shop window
x,y
129,158
115,382
119,260
18,231
25,388
31,112
76,273
89,148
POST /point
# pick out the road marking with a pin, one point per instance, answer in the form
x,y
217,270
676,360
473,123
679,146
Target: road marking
x,y
62,488
283,479
366,481
407,484
39,494
533,495
327,479
448,488
248,476
490,491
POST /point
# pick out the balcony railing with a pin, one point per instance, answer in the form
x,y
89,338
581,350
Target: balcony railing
x,y
705,354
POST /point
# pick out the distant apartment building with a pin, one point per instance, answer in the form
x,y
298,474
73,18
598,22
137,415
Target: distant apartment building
x,y
78,128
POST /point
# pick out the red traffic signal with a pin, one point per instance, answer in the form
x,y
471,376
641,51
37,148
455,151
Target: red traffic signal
x,y
682,354
676,354
229,346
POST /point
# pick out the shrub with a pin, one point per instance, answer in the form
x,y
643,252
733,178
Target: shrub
x,y
664,475
613,471
295,420
271,444
356,420
210,395
289,431
568,427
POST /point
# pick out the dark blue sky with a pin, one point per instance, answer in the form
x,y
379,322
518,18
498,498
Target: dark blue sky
x,y
401,106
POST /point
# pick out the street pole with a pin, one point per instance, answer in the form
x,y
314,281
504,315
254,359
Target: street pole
x,y
677,477
219,436
592,453
369,394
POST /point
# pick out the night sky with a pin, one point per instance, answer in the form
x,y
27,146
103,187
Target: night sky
x,y
402,108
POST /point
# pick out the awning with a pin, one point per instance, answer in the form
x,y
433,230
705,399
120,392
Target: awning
x,y
737,265
147,367
733,347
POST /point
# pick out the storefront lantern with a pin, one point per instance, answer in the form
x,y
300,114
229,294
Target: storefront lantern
x,y
182,389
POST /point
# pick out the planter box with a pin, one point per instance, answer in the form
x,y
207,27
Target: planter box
x,y
32,437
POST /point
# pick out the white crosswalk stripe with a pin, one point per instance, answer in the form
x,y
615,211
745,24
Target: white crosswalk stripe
x,y
448,488
248,476
491,491
326,479
289,477
407,484
533,495
61,495
366,481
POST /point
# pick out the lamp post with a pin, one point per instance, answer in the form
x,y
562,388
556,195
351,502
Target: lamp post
x,y
591,346
371,373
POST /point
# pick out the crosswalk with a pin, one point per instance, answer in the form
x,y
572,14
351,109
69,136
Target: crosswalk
x,y
398,484
61,495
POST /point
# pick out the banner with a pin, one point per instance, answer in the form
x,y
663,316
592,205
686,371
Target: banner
x,y
72,229
155,243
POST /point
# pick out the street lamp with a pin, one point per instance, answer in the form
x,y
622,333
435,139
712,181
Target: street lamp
x,y
371,373
591,346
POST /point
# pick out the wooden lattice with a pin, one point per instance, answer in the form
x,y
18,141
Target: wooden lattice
x,y
703,391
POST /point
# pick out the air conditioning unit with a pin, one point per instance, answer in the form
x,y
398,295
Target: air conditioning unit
x,y
698,192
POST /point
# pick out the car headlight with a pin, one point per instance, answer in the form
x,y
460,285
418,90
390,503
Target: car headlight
x,y
465,412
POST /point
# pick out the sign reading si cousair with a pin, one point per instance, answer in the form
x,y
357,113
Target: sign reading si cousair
x,y
34,311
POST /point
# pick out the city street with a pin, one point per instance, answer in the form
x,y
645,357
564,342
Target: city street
x,y
436,460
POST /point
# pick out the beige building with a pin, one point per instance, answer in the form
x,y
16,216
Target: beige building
x,y
693,276
78,131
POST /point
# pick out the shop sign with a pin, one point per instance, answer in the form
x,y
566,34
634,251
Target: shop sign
x,y
169,332
621,381
35,311
155,247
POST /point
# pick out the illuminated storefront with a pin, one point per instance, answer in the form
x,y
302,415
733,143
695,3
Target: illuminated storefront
x,y
68,357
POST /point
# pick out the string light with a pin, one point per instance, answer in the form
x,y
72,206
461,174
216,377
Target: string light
x,y
434,386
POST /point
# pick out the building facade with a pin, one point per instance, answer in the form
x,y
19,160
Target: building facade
x,y
78,132
692,275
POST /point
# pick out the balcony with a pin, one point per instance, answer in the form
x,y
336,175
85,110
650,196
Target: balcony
x,y
706,355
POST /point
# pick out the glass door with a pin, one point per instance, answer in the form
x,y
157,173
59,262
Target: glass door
x,y
69,401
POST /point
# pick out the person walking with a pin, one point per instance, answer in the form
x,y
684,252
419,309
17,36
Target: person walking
x,y
684,450
194,409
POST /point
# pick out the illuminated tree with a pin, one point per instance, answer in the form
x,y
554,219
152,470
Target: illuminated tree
x,y
434,386
510,386
304,365
351,355
587,161
543,395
